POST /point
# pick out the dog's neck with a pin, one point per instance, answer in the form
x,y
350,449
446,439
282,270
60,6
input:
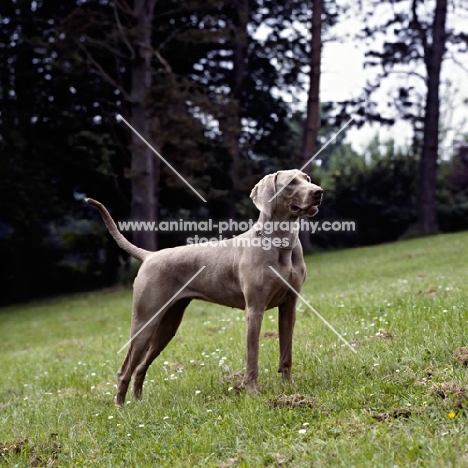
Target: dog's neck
x,y
279,229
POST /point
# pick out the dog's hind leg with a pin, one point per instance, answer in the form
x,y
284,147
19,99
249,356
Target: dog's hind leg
x,y
164,333
135,353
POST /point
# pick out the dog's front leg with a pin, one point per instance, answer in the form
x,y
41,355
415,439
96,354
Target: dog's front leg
x,y
253,322
286,321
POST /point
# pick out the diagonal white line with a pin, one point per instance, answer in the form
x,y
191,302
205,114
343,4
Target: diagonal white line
x,y
161,309
159,155
313,157
314,311
327,143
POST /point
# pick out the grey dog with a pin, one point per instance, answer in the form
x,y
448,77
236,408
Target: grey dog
x,y
236,274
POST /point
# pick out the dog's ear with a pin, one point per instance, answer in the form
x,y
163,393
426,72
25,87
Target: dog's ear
x,y
262,193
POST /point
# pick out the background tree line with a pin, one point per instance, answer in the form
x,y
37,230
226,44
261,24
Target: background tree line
x,y
206,82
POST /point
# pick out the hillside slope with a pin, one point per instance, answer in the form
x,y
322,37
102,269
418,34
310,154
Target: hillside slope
x,y
399,400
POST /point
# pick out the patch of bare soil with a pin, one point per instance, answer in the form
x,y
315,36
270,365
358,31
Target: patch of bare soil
x,y
270,334
461,356
290,401
234,377
237,379
214,329
14,447
446,389
430,291
453,391
380,335
277,459
426,378
383,335
229,463
174,366
280,458
197,363
404,412
39,455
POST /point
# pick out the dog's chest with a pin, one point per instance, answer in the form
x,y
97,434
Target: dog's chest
x,y
293,271
288,282
294,277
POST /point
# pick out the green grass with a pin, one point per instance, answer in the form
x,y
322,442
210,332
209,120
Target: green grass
x,y
59,360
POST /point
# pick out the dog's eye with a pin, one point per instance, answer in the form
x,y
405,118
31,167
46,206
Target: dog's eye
x,y
309,179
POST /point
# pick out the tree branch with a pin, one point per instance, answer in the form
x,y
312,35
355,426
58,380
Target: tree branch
x,y
104,45
121,28
103,74
164,62
457,62
124,6
421,31
410,73
170,37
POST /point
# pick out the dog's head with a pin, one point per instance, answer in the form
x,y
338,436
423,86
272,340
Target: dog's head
x,y
287,193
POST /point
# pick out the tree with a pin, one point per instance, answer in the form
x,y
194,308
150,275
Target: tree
x,y
313,95
216,73
433,55
144,172
51,151
240,60
243,76
128,50
313,98
215,101
420,41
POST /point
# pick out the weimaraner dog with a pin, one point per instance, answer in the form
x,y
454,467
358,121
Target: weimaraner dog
x,y
237,274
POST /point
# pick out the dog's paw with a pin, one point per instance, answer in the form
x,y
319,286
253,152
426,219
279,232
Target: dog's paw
x,y
251,388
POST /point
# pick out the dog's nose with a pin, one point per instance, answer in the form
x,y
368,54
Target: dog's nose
x,y
318,192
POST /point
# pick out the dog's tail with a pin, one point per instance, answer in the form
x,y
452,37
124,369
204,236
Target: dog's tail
x,y
123,243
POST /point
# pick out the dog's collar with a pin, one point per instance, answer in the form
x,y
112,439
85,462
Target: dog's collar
x,y
258,232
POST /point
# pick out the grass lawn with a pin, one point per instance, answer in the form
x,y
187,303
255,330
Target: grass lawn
x,y
400,401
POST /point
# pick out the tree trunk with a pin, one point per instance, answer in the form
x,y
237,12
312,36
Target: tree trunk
x,y
230,120
426,222
144,163
313,99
